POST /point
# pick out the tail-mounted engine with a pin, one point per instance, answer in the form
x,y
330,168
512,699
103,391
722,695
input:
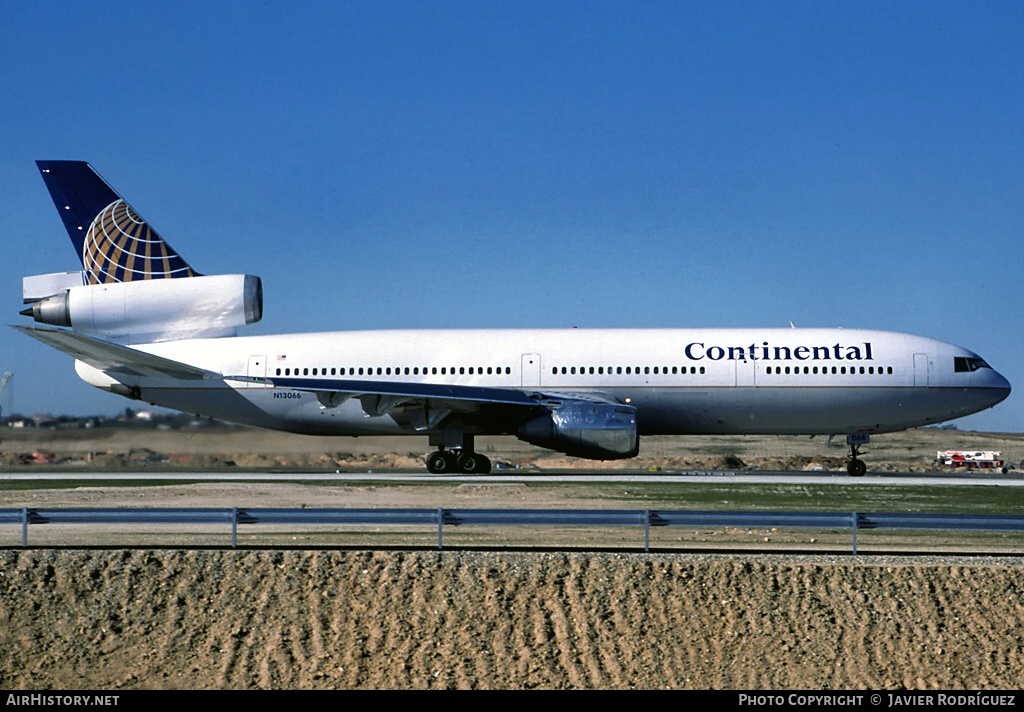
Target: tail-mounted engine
x,y
151,310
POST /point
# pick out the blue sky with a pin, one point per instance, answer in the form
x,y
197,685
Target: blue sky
x,y
477,164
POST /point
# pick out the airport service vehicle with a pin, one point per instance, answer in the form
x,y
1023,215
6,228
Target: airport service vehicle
x,y
142,323
971,458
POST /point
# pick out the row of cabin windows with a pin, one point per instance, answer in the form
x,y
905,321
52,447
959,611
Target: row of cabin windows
x,y
397,371
564,370
869,370
628,370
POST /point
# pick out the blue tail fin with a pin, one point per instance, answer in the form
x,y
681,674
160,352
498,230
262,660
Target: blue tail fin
x,y
113,242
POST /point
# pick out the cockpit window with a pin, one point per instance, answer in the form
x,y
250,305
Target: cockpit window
x,y
963,364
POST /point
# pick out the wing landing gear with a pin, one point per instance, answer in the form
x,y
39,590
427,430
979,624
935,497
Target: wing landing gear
x,y
455,453
466,462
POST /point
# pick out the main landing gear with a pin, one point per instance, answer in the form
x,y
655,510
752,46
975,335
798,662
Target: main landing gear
x,y
455,453
465,461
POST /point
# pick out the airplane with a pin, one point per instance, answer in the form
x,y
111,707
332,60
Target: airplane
x,y
142,323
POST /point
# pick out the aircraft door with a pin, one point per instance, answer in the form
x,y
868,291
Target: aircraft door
x,y
531,370
920,370
745,374
257,369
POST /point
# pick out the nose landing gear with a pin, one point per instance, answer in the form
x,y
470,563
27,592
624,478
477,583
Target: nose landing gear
x,y
856,466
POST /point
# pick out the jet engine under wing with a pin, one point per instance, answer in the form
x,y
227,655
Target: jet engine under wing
x,y
114,358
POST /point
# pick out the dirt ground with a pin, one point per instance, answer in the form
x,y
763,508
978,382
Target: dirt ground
x,y
247,449
306,617
330,619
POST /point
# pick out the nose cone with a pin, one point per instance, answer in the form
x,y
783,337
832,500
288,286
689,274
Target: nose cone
x,y
1000,386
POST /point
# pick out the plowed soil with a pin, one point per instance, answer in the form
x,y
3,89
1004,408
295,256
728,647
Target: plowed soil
x,y
318,618
330,619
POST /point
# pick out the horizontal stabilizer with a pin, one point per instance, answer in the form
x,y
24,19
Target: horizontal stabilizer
x,y
114,358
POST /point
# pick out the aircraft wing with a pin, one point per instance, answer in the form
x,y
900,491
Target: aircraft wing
x,y
113,358
431,391
422,405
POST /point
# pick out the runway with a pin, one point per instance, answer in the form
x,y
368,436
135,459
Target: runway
x,y
512,477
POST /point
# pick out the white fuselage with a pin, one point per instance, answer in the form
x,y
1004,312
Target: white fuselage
x,y
682,381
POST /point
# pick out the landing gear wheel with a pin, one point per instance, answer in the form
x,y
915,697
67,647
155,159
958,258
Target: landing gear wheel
x,y
471,463
439,462
856,468
468,463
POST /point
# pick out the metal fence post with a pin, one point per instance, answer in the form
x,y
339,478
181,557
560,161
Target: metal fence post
x,y
853,525
234,527
24,527
647,531
440,521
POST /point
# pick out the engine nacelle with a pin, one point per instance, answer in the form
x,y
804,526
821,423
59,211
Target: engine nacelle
x,y
158,309
596,431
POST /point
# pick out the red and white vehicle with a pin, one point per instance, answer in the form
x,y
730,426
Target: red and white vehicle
x,y
971,458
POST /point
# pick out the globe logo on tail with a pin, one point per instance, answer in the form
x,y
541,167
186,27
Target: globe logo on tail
x,y
121,247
